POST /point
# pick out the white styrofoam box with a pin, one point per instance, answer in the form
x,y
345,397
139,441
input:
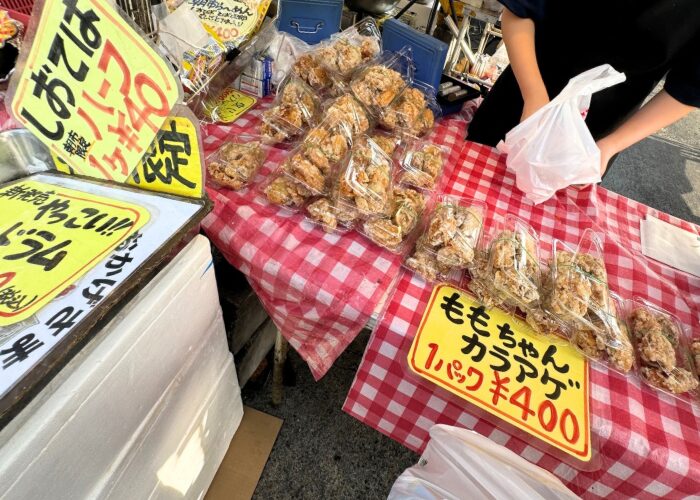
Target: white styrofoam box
x,y
90,422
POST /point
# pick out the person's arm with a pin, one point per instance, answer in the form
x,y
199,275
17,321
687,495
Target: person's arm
x,y
662,110
519,37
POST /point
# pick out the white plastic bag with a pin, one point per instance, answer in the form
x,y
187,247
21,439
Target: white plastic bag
x,y
553,148
459,463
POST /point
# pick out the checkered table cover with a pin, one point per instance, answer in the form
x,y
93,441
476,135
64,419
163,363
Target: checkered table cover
x,y
649,443
319,289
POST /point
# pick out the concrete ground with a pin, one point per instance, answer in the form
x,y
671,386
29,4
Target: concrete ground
x,y
323,453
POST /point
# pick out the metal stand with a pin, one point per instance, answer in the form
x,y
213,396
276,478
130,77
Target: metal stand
x,y
281,349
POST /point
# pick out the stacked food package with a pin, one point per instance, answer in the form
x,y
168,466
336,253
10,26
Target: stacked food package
x,y
355,124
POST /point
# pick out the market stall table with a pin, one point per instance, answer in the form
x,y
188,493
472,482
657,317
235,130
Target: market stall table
x,y
649,442
320,289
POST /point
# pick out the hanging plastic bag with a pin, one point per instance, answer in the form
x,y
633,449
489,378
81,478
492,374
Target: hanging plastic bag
x,y
458,463
553,148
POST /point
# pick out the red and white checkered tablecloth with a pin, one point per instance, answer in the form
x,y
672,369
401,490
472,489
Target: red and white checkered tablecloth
x,y
319,289
649,443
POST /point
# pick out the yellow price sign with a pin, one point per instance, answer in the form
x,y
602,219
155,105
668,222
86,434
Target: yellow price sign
x,y
229,106
229,19
172,164
498,363
91,88
49,237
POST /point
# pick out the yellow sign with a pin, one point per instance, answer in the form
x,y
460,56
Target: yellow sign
x,y
172,164
229,20
49,237
498,363
230,105
91,88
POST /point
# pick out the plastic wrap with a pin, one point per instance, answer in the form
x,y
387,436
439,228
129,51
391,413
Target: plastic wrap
x,y
283,190
513,264
609,340
414,112
323,211
450,240
327,144
389,142
351,48
421,164
295,109
663,353
235,164
366,180
309,68
348,110
379,83
394,231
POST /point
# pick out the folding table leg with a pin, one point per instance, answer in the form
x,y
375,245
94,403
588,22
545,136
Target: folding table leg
x,y
281,348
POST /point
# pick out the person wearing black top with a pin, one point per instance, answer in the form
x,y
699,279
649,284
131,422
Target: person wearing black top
x,y
551,41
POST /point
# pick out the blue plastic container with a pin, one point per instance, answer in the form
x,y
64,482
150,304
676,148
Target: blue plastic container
x,y
429,53
310,20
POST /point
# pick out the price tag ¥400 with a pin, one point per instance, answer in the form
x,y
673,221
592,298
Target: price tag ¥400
x,y
498,363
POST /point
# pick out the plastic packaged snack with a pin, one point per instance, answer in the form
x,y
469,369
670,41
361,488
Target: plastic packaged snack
x,y
235,164
664,358
348,110
579,295
695,352
281,189
328,143
295,109
366,181
379,83
421,164
393,231
514,262
309,68
414,112
324,211
452,232
480,283
610,341
347,50
387,141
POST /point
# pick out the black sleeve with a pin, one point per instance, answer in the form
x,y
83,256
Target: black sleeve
x,y
531,9
683,79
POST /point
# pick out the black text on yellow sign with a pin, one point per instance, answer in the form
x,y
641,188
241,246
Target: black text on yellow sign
x,y
91,88
172,164
50,237
498,363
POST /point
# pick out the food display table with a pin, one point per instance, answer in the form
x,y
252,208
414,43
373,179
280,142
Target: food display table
x,y
320,289
649,443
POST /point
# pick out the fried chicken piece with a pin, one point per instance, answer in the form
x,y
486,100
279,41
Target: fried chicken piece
x,y
314,74
586,341
695,351
677,380
384,232
424,263
236,164
619,348
367,179
642,321
423,167
323,212
286,192
306,172
378,86
408,206
297,94
341,56
327,145
369,47
387,143
572,289
595,267
514,264
543,323
654,348
283,122
349,111
409,112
